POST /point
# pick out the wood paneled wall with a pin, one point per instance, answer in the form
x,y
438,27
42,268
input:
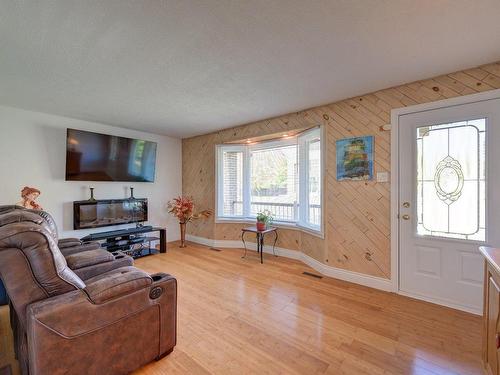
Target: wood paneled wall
x,y
357,213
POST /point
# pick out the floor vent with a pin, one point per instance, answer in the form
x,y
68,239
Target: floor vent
x,y
214,249
312,275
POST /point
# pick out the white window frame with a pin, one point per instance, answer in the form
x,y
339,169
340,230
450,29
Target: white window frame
x,y
302,141
219,162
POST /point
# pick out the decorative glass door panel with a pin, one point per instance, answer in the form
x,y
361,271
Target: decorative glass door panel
x,y
451,184
449,173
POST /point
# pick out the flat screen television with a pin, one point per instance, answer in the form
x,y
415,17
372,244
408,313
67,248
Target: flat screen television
x,y
106,212
101,157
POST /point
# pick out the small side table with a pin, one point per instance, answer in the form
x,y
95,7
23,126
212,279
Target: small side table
x,y
260,239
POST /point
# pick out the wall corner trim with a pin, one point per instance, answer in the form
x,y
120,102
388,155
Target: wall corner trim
x,y
336,273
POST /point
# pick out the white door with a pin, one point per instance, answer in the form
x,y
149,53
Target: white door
x,y
449,201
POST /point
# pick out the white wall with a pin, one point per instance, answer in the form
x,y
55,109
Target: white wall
x,y
33,153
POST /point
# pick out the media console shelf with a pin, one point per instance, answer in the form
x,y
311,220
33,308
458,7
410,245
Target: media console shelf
x,y
131,241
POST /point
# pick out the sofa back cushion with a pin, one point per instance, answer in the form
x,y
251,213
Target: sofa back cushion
x,y
31,265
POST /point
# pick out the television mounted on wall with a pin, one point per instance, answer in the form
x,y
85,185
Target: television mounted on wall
x,y
102,157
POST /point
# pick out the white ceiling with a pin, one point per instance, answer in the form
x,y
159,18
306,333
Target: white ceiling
x,y
186,67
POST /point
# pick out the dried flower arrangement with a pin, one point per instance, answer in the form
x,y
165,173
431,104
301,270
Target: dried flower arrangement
x,y
182,208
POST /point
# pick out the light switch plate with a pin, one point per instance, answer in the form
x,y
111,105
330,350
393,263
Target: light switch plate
x,y
382,176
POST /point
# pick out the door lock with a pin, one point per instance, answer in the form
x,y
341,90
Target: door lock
x,y
406,217
406,204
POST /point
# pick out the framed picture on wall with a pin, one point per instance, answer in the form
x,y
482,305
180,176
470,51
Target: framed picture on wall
x,y
355,158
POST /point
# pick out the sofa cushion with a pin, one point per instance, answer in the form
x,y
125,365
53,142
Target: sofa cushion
x,y
121,260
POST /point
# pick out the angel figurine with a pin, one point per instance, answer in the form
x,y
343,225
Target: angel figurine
x,y
29,196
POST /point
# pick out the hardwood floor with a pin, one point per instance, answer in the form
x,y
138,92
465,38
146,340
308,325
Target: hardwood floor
x,y
8,364
236,316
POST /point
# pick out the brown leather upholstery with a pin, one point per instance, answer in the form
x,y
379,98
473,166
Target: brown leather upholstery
x,y
77,247
17,216
10,207
89,258
112,324
50,270
119,260
32,269
67,246
117,283
85,265
67,242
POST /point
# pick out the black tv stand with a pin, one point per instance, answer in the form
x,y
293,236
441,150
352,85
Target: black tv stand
x,y
130,240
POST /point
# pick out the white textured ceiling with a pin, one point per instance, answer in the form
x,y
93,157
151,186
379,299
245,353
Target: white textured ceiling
x,y
185,67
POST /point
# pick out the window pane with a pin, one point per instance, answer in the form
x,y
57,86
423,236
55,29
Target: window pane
x,y
265,177
314,188
274,182
232,183
451,180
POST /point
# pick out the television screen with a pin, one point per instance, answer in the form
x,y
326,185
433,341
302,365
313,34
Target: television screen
x,y
101,157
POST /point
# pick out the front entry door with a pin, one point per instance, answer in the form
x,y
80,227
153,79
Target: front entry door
x,y
449,201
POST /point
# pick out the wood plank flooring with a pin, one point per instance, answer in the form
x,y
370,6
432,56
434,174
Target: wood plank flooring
x,y
236,316
8,364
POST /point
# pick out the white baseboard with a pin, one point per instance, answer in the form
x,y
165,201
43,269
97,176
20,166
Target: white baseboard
x,y
337,273
200,240
443,302
351,276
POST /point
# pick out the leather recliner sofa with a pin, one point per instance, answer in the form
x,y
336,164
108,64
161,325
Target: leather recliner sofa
x,y
87,262
112,323
68,246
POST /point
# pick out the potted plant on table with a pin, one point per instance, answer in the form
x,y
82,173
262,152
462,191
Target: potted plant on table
x,y
264,219
183,209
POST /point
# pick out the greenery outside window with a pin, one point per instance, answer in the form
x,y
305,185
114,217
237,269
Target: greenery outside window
x,y
283,176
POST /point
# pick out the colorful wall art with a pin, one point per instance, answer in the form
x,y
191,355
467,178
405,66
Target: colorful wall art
x,y
355,158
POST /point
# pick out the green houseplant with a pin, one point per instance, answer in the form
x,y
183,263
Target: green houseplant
x,y
264,219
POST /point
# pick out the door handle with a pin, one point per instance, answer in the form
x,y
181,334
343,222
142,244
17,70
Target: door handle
x,y
406,217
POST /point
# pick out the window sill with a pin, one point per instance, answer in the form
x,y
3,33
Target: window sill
x,y
277,224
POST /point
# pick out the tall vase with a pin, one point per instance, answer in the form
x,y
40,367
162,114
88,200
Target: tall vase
x,y
183,234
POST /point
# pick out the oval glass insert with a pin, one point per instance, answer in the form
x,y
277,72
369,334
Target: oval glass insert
x,y
449,180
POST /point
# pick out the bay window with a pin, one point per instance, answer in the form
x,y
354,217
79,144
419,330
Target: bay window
x,y
281,176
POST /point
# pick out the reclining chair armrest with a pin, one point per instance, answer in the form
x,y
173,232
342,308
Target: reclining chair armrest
x,y
70,250
90,272
129,327
117,283
88,258
68,242
119,260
